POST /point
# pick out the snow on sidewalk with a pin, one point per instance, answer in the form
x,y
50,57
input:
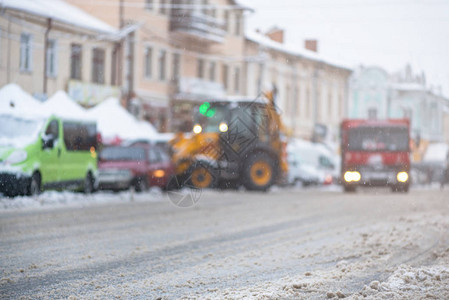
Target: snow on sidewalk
x,y
53,199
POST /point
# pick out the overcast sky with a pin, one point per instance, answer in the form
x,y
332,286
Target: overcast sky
x,y
387,33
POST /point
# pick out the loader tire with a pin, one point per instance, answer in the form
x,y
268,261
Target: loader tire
x,y
202,176
259,172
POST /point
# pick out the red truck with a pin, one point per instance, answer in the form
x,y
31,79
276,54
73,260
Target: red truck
x,y
375,153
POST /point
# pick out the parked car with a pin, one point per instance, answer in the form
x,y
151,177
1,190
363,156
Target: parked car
x,y
310,163
44,152
138,166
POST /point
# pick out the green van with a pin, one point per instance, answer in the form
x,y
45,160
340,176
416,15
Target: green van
x,y
37,153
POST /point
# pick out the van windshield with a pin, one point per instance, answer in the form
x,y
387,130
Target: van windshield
x,y
123,154
16,131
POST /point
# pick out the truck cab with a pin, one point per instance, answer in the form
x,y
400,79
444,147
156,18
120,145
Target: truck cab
x,y
375,153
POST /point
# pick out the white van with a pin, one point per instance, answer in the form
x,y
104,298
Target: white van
x,y
310,163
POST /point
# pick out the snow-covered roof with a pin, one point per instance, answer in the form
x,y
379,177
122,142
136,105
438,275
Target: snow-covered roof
x,y
115,121
60,11
293,50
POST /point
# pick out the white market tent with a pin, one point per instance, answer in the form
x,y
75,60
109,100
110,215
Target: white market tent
x,y
114,121
14,100
62,105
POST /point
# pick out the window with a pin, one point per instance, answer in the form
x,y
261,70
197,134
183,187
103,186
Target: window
x,y
226,20
372,113
25,52
157,155
212,71
288,101
200,70
237,79
51,58
149,4
148,62
78,136
162,63
378,138
163,7
204,5
53,129
123,154
434,114
98,66
308,106
407,113
75,61
238,25
176,66
295,101
225,76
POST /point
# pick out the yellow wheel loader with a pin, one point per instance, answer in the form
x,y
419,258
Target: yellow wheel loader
x,y
233,142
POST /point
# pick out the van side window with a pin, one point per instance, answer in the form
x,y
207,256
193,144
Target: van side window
x,y
53,129
79,136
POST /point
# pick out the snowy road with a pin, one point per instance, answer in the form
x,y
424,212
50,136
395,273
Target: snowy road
x,y
287,243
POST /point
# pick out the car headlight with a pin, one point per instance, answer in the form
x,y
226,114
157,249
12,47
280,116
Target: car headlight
x,y
402,176
16,157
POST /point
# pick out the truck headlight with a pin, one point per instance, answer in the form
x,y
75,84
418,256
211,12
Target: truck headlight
x,y
352,176
16,157
402,176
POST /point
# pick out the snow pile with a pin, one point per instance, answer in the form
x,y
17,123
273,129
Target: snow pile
x,y
114,121
14,100
53,199
63,106
408,282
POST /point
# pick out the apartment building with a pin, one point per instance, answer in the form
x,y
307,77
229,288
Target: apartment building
x,y
48,46
181,53
311,90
